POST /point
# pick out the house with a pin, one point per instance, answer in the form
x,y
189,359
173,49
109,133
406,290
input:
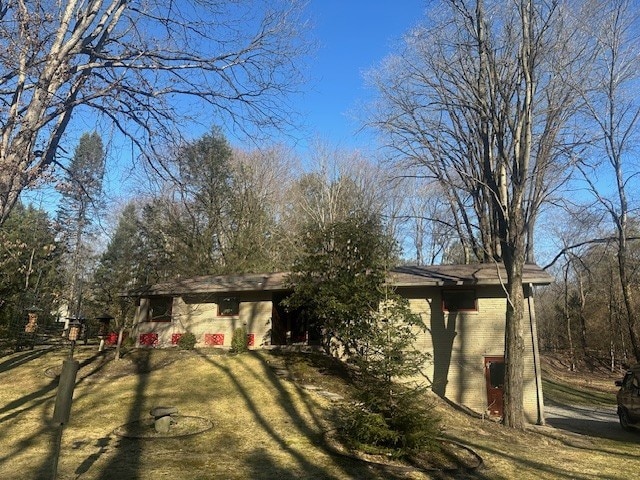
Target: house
x,y
463,307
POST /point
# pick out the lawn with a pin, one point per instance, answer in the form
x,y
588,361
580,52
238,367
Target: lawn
x,y
267,423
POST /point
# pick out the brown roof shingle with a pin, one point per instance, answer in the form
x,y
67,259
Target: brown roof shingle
x,y
405,276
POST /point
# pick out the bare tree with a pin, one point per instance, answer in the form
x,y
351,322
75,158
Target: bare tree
x,y
426,220
340,183
613,109
480,101
142,65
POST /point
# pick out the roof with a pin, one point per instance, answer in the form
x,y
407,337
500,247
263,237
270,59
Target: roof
x,y
405,276
216,284
473,274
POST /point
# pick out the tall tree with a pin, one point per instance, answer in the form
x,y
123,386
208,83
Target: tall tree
x,y
145,66
613,109
121,267
260,181
337,279
480,100
79,211
340,184
218,213
204,185
29,263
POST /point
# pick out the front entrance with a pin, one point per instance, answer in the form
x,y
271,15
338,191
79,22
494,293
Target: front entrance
x,y
494,377
290,328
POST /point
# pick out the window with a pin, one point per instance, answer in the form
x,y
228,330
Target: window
x,y
228,306
459,301
160,309
496,374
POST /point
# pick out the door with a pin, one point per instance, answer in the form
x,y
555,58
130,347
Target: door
x,y
279,321
494,377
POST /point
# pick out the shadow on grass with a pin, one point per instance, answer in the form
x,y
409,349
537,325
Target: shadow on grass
x,y
31,402
102,444
36,398
350,466
285,400
19,359
262,466
529,467
126,462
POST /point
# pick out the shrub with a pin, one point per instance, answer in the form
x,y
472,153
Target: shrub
x,y
239,340
392,416
405,429
366,430
187,341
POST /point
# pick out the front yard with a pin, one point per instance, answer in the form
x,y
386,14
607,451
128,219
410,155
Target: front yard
x,y
265,424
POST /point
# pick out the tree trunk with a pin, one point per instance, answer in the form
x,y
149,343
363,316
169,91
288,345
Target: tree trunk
x,y
567,317
627,295
514,343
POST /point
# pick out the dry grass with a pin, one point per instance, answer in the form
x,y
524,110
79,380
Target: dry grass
x,y
588,385
264,426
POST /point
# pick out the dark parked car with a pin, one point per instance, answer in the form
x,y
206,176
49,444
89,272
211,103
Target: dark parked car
x,y
629,399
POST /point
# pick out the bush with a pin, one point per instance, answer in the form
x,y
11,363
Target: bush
x,y
187,341
366,430
406,428
127,342
239,340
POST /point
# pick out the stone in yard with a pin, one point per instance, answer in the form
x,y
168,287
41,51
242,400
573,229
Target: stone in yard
x,y
162,424
157,412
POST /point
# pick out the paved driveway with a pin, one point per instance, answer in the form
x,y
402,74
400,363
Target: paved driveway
x,y
599,422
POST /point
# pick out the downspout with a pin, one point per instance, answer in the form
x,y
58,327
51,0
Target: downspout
x,y
536,357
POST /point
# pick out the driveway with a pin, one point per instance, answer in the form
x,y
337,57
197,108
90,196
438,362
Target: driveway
x,y
599,422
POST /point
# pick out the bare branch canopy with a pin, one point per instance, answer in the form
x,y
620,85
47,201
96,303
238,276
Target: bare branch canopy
x,y
143,65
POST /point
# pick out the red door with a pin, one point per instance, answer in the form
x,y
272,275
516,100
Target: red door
x,y
494,376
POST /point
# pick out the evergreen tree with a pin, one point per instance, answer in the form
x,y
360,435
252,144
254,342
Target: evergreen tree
x,y
122,266
29,263
339,282
214,217
78,213
205,186
336,279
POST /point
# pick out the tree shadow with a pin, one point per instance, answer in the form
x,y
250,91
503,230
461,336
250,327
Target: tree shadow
x,y
19,359
126,463
540,468
443,333
36,398
350,467
102,444
285,401
30,403
262,466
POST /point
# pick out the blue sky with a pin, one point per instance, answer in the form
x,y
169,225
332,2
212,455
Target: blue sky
x,y
352,37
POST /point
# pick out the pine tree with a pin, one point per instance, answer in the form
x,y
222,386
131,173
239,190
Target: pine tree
x,y
122,266
336,279
78,213
29,263
339,283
